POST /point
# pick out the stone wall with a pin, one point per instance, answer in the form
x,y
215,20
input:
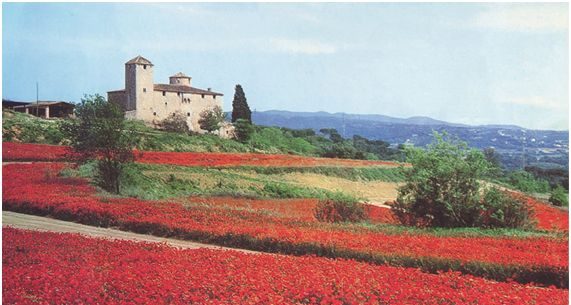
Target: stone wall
x,y
140,101
165,103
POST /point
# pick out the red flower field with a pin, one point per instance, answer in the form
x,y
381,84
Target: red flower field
x,y
36,188
547,217
51,268
40,152
12,151
303,208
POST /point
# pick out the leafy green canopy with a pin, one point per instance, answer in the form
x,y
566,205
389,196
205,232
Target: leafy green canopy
x,y
98,133
210,119
559,196
443,189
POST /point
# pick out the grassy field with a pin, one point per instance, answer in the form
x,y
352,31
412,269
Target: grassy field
x,y
153,181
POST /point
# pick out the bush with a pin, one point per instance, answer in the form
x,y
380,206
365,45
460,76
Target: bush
x,y
243,131
526,182
210,119
275,140
442,189
500,210
175,122
339,209
559,197
342,151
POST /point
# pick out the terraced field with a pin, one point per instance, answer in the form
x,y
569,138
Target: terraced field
x,y
272,209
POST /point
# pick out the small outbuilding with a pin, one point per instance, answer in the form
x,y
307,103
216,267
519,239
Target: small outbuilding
x,y
10,104
47,109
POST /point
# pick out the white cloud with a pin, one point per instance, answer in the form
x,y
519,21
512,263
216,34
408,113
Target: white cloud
x,y
536,102
310,47
524,17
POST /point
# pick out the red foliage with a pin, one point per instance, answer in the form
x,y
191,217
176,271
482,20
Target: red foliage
x,y
35,188
52,268
380,214
32,152
548,217
41,152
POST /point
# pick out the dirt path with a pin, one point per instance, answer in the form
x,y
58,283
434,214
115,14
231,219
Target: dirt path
x,y
30,222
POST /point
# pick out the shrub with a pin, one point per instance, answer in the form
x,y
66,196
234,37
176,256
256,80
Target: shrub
x,y
442,189
339,209
244,130
342,151
500,210
559,197
526,182
175,122
210,119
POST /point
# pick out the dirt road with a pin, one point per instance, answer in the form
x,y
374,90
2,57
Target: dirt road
x,y
30,222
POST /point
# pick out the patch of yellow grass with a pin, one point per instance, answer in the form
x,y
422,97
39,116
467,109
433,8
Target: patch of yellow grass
x,y
375,191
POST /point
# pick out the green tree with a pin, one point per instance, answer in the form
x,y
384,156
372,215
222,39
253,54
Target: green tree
x,y
240,108
210,119
526,182
443,189
494,159
559,196
333,134
99,133
243,130
176,122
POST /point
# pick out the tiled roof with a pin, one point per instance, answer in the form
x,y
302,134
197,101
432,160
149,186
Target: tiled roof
x,y
184,89
140,60
180,74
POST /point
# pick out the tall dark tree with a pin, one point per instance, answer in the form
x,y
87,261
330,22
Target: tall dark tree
x,y
240,108
99,133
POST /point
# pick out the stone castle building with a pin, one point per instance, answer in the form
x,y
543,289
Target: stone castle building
x,y
142,99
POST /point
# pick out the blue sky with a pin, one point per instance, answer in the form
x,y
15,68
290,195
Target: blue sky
x,y
465,63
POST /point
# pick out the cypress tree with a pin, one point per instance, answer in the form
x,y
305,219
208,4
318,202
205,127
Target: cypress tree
x,y
240,108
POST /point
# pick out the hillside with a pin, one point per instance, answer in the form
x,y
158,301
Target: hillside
x,y
546,148
19,127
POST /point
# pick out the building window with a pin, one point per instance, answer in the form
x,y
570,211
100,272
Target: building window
x,y
203,96
144,89
154,113
145,67
164,93
188,114
178,94
165,103
214,96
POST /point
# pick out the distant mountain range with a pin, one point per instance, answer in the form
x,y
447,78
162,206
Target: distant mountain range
x,y
540,146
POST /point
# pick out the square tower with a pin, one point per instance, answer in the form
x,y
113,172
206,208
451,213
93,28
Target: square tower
x,y
138,84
